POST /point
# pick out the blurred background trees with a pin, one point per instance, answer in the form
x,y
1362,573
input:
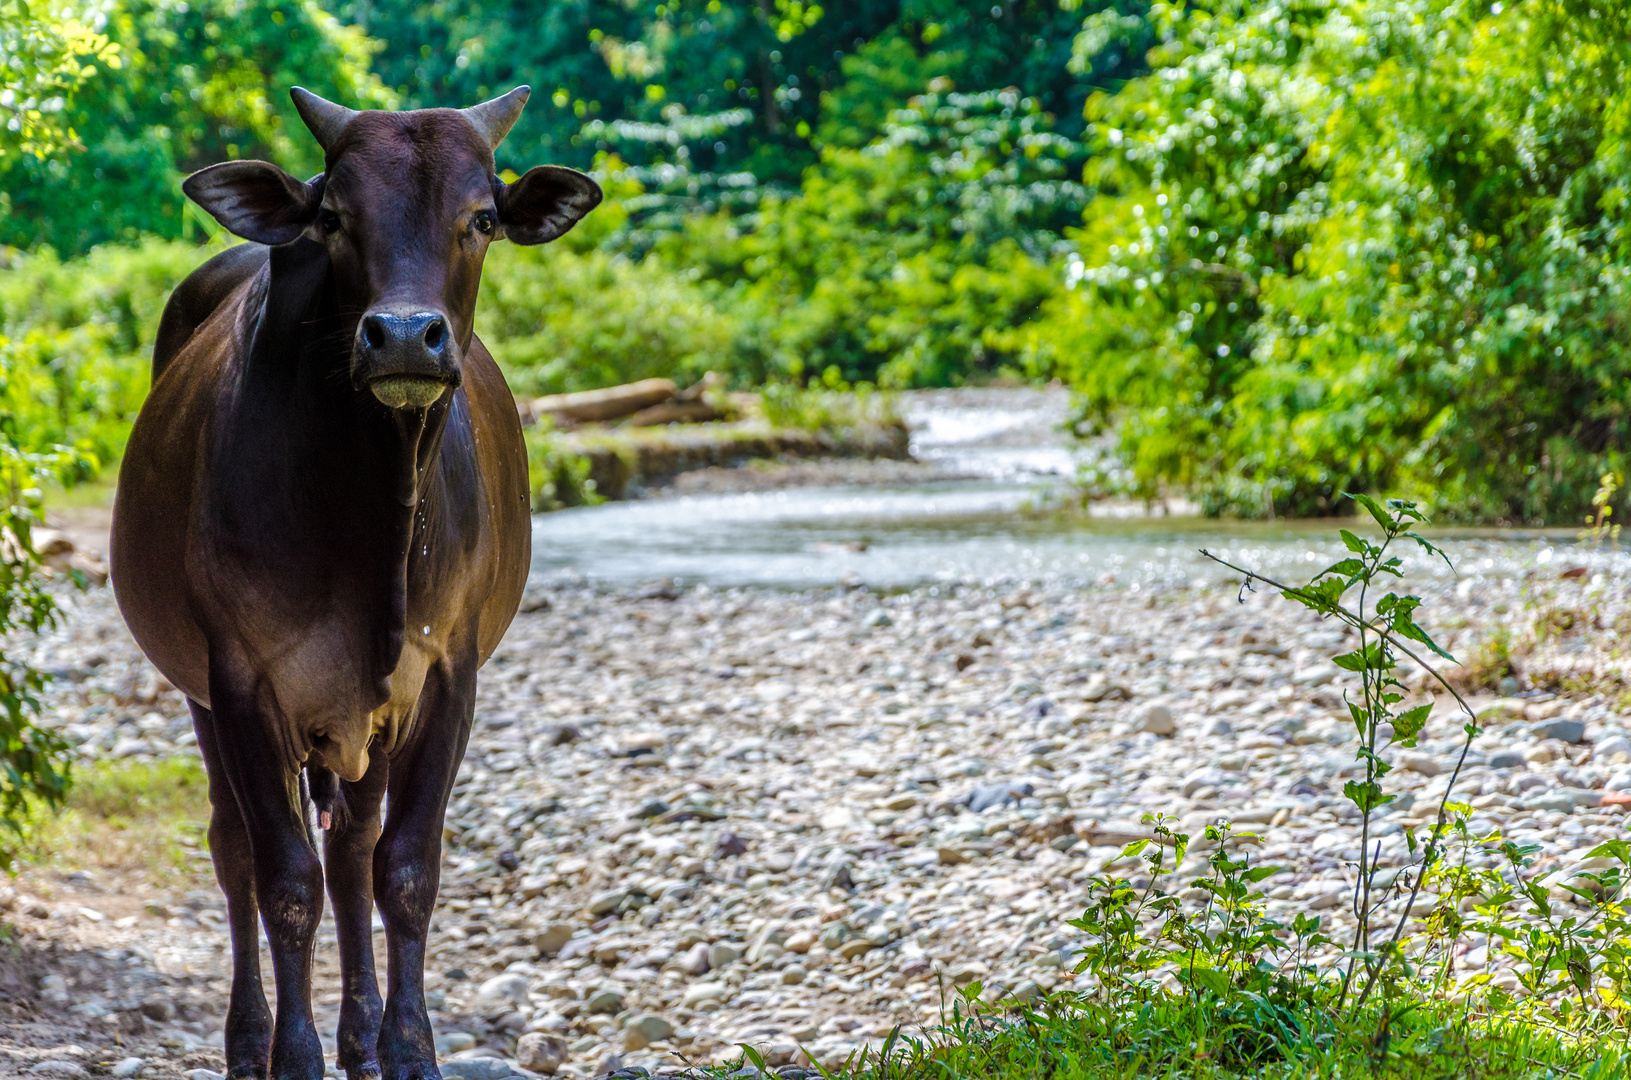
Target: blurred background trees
x,y
1283,251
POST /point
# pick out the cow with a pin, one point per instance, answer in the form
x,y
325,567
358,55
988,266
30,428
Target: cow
x,y
321,532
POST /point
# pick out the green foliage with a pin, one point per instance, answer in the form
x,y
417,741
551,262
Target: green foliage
x,y
560,320
1359,244
78,337
612,76
45,56
198,82
120,814
33,767
909,262
828,405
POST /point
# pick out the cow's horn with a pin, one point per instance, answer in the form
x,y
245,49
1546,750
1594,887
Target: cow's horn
x,y
325,119
495,118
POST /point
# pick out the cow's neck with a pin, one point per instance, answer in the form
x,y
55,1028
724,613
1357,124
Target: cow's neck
x,y
363,473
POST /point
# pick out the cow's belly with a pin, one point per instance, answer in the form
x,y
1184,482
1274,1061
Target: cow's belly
x,y
322,695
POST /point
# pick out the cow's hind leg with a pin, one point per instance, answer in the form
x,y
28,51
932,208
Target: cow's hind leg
x,y
407,860
249,1020
348,853
288,874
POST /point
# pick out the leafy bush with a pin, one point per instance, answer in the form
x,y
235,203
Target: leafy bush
x,y
1358,244
909,262
79,340
559,320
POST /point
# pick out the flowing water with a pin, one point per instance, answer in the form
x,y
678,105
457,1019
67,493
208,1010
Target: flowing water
x,y
988,524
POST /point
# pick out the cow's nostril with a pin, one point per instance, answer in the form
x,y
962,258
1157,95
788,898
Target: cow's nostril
x,y
435,332
373,333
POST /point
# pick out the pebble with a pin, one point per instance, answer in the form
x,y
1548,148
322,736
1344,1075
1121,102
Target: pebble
x,y
1156,719
1417,762
540,1053
708,991
476,1068
604,1001
696,960
850,816
125,1068
1566,729
58,1067
553,938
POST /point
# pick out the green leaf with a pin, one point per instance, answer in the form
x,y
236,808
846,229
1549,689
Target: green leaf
x,y
1408,724
1382,517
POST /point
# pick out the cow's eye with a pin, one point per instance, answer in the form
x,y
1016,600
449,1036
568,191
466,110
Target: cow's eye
x,y
328,221
484,222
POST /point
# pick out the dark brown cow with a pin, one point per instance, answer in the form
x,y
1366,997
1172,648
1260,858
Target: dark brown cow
x,y
321,533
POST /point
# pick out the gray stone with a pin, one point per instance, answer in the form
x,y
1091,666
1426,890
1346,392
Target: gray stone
x,y
203,1074
877,617
1569,731
695,961
986,796
642,1031
722,953
1156,719
159,1010
59,1067
603,1000
477,1068
706,991
1611,748
553,938
604,903
1419,762
1507,759
502,991
540,1053
125,1068
1561,800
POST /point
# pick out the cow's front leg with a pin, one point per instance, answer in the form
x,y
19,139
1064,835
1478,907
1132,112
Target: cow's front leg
x,y
288,875
348,854
408,860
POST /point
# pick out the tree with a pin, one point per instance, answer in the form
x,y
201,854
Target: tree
x,y
199,82
1362,245
45,58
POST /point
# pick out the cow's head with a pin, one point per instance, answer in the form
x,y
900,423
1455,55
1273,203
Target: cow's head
x,y
406,206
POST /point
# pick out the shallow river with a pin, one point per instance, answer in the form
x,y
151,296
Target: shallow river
x,y
1006,445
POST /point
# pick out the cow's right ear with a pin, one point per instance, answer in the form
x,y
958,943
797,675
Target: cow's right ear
x,y
255,200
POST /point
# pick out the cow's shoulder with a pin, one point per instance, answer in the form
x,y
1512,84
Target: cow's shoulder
x,y
198,297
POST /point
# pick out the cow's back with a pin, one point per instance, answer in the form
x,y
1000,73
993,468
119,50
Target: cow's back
x,y
163,462
198,297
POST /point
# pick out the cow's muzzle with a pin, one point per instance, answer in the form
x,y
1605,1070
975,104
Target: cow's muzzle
x,y
407,360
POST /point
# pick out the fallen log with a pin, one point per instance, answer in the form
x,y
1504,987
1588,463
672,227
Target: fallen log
x,y
676,412
610,403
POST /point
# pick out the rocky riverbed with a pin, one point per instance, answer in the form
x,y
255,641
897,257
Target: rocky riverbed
x,y
694,818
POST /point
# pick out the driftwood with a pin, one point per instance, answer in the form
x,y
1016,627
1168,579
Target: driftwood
x,y
609,404
676,412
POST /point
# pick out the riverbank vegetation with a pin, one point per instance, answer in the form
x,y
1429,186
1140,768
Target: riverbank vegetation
x,y
1282,251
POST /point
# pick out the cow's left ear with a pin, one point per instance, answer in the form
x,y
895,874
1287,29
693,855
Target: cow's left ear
x,y
255,200
545,203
